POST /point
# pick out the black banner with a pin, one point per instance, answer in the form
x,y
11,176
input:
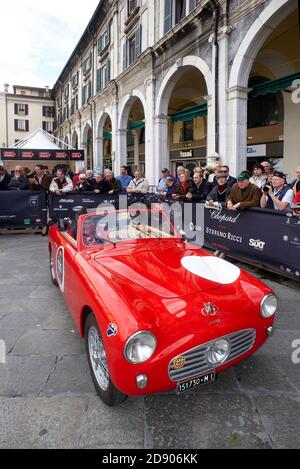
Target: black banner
x,y
269,239
62,206
11,154
23,209
266,238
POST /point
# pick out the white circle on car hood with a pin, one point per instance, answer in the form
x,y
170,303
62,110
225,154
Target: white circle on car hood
x,y
211,268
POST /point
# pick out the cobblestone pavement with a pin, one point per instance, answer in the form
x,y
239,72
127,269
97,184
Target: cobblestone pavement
x,y
47,399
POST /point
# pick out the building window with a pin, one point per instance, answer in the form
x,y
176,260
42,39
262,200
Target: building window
x,y
75,80
131,6
103,77
86,93
176,10
66,113
21,109
74,105
103,41
48,111
264,110
66,92
132,47
87,64
21,125
48,126
188,131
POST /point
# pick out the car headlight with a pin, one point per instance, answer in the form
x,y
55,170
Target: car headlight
x,y
268,306
218,352
140,347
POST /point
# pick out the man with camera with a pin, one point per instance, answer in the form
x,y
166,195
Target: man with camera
x,y
279,196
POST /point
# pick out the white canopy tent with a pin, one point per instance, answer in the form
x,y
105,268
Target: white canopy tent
x,y
41,140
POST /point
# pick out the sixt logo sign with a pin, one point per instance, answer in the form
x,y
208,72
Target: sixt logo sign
x,y
296,92
257,244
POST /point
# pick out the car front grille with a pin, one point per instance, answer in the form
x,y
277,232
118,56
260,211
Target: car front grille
x,y
195,362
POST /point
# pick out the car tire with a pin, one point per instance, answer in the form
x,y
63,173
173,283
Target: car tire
x,y
52,273
104,386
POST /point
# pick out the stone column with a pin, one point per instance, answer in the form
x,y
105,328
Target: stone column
x,y
136,148
98,153
160,157
237,99
119,153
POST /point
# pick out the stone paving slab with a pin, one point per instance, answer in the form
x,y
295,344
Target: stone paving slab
x,y
49,343
118,426
41,423
70,376
25,376
283,426
204,421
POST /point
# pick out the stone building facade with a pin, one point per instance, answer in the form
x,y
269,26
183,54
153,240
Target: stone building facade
x,y
166,82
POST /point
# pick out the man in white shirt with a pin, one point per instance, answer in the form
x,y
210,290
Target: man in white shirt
x,y
61,184
138,185
279,195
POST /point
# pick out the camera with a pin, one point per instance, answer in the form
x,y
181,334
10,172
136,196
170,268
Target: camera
x,y
265,189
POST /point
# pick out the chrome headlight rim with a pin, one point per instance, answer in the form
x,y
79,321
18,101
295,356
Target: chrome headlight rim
x,y
225,357
131,339
264,313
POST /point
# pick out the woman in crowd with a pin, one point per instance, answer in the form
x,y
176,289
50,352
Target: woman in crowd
x,y
182,188
259,178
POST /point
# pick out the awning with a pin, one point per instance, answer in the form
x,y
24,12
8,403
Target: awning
x,y
272,86
190,113
136,125
107,136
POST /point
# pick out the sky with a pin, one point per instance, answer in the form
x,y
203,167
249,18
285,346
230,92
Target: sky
x,y
37,38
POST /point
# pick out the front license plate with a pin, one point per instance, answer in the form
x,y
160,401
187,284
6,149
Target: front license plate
x,y
195,382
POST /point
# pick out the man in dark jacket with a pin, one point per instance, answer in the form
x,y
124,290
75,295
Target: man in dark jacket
x,y
224,171
19,181
4,179
200,188
100,185
39,181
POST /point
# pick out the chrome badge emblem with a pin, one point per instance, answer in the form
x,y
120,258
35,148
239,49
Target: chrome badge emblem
x,y
210,310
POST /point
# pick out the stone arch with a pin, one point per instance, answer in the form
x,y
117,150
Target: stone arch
x,y
255,37
87,126
126,107
101,119
172,76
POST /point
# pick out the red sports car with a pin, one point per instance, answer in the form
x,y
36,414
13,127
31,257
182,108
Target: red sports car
x,y
157,313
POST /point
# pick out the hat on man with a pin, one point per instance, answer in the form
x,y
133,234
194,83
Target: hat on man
x,y
165,170
169,178
279,174
244,176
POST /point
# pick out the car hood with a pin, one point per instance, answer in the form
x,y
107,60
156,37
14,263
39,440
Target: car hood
x,y
156,266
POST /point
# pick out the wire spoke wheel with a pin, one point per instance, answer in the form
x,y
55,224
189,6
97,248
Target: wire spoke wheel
x,y
98,358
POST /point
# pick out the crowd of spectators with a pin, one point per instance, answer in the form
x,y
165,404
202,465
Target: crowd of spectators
x,y
263,188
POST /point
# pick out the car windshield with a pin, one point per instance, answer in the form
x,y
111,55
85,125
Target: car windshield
x,y
115,227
